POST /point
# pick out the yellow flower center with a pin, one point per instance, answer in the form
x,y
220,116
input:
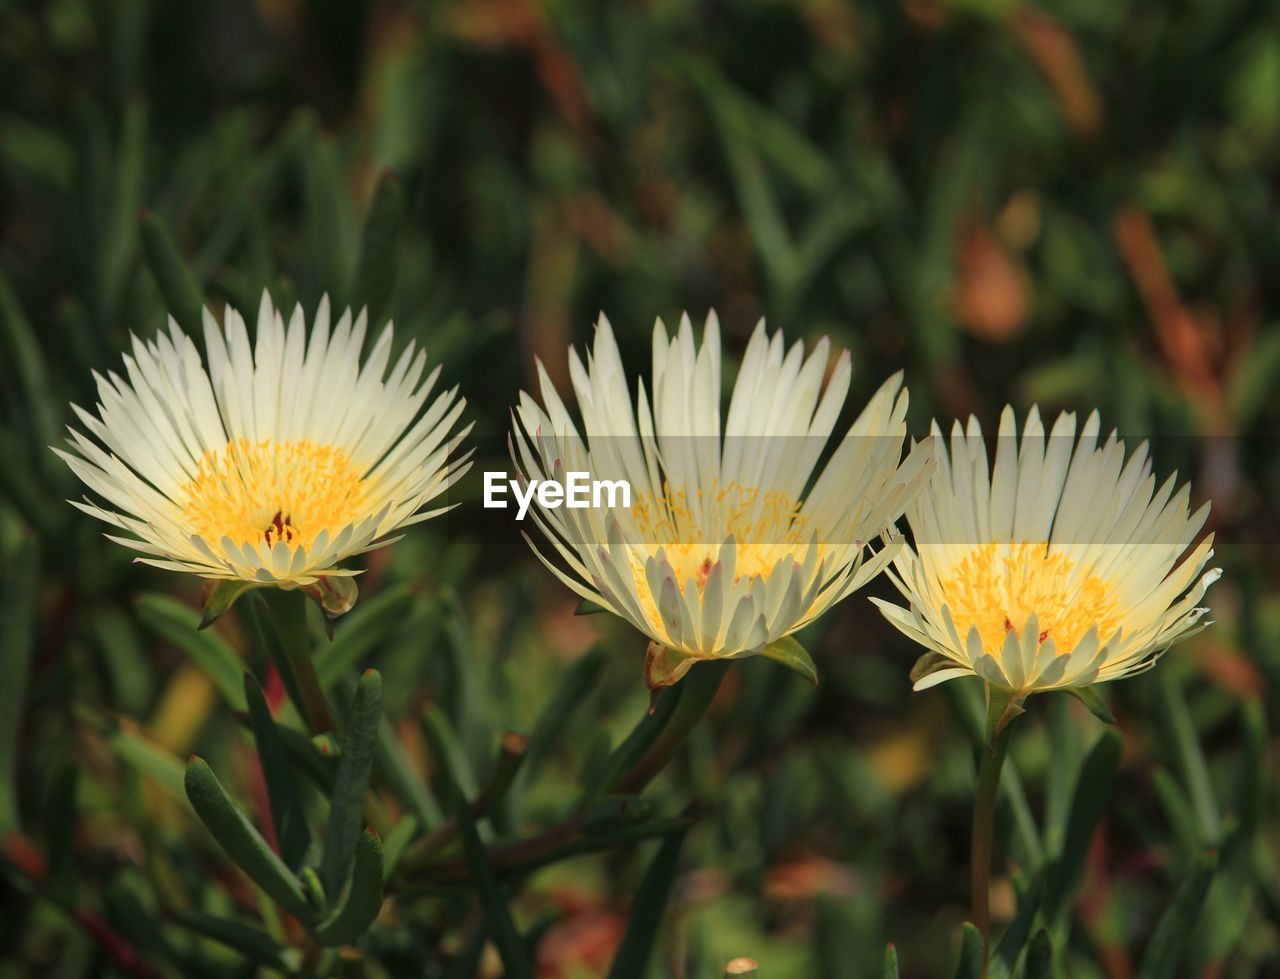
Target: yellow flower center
x,y
766,527
997,587
274,491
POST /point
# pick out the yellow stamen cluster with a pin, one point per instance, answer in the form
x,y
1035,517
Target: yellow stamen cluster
x,y
274,491
997,587
766,527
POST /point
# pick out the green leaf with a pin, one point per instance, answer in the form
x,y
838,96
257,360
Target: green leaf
x,y
223,595
1168,946
402,777
376,271
149,759
242,842
253,943
177,623
364,630
446,747
29,365
788,652
1088,803
570,691
355,765
510,947
364,897
17,644
396,843
890,962
1193,768
287,814
1040,957
1009,948
972,953
632,958
181,291
1090,697
588,607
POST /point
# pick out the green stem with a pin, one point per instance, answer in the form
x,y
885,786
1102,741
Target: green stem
x,y
652,752
991,760
696,691
290,611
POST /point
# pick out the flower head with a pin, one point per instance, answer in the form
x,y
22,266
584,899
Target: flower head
x,y
736,537
279,461
1059,568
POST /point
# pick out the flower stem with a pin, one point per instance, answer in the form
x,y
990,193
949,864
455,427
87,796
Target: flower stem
x,y
991,760
290,611
696,691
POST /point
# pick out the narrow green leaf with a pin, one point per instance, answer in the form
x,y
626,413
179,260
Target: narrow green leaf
x,y
1168,947
224,595
1190,759
181,291
364,897
176,623
972,953
1040,957
448,752
125,660
890,962
1014,940
149,759
502,928
789,653
269,644
402,777
251,942
287,814
632,958
355,765
588,607
397,841
365,629
17,644
1089,802
376,271
241,840
22,353
570,691
121,226
1091,698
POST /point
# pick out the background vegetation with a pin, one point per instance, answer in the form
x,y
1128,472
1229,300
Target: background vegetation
x,y
1071,202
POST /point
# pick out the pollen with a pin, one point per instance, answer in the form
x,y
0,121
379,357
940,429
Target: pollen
x,y
255,492
997,587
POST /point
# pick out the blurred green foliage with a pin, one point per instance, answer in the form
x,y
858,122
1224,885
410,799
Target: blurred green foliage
x,y
1073,203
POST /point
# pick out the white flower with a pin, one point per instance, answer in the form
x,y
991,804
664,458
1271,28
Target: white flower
x,y
1057,569
277,463
736,537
